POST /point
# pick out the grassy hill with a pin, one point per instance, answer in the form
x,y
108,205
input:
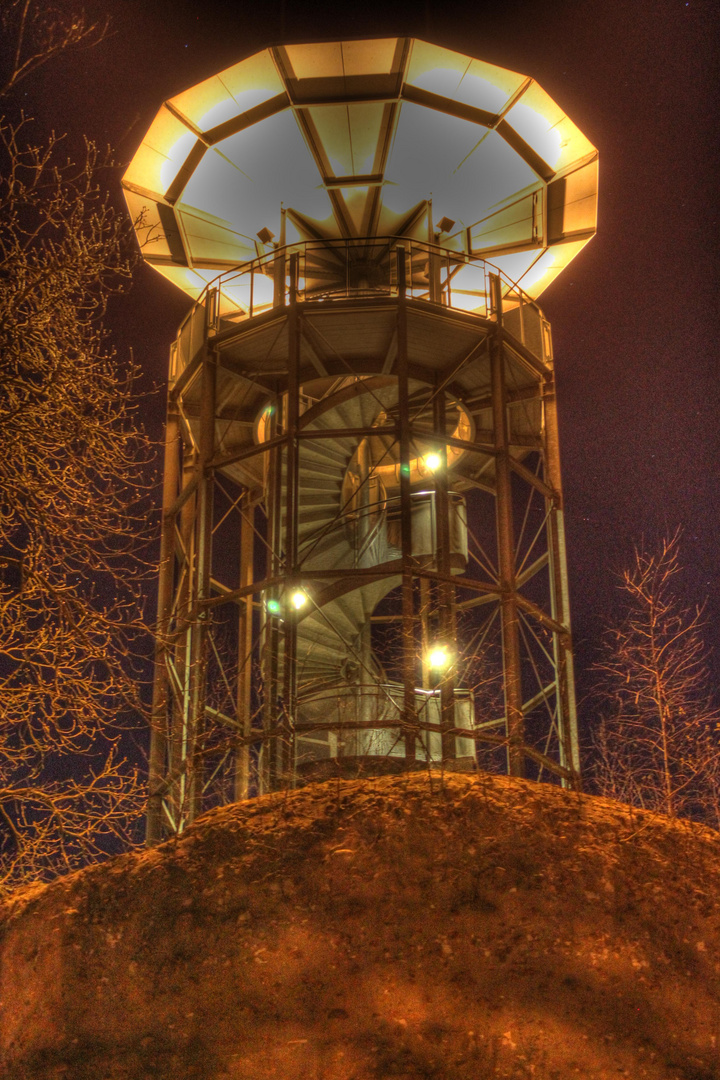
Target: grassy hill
x,y
407,927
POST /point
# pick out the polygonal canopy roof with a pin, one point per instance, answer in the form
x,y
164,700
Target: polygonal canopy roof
x,y
389,137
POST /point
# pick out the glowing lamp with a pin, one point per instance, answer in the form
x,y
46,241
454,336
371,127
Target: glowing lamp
x,y
273,606
432,462
438,658
299,599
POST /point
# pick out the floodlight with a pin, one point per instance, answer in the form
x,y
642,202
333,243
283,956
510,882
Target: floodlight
x,y
299,599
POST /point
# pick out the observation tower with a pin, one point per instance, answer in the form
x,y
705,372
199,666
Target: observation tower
x,y
363,556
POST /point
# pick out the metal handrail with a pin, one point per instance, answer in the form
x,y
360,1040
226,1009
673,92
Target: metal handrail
x,y
336,269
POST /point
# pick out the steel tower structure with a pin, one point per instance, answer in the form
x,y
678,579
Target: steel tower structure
x,y
363,555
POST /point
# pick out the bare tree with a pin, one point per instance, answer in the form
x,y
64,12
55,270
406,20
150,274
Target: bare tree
x,y
657,743
71,490
35,33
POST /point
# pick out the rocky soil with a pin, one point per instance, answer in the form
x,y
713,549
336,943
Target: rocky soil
x,y
403,928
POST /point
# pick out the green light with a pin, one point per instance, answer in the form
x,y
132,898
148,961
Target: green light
x,y
405,470
273,607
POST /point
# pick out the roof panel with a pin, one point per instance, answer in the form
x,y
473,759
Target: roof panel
x,y
231,92
460,78
428,147
326,163
332,128
368,57
322,61
547,130
148,226
519,222
489,175
162,153
210,241
366,136
192,282
551,263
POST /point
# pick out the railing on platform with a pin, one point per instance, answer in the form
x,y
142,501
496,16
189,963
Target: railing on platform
x,y
366,268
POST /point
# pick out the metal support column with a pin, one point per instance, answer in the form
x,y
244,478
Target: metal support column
x,y
289,709
408,605
368,702
203,549
183,639
445,590
271,628
506,548
244,678
161,691
560,596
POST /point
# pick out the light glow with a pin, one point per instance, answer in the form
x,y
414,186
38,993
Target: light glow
x,y
438,658
299,599
433,462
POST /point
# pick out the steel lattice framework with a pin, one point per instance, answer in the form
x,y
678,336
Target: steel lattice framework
x,y
363,556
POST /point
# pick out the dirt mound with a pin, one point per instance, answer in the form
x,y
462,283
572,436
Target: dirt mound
x,y
398,928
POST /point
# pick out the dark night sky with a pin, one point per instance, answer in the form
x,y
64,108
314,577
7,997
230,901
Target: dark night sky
x,y
633,317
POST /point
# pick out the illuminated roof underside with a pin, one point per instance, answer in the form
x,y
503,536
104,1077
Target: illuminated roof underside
x,y
355,139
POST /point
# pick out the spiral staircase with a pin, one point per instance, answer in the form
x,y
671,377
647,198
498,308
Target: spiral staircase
x,y
344,522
